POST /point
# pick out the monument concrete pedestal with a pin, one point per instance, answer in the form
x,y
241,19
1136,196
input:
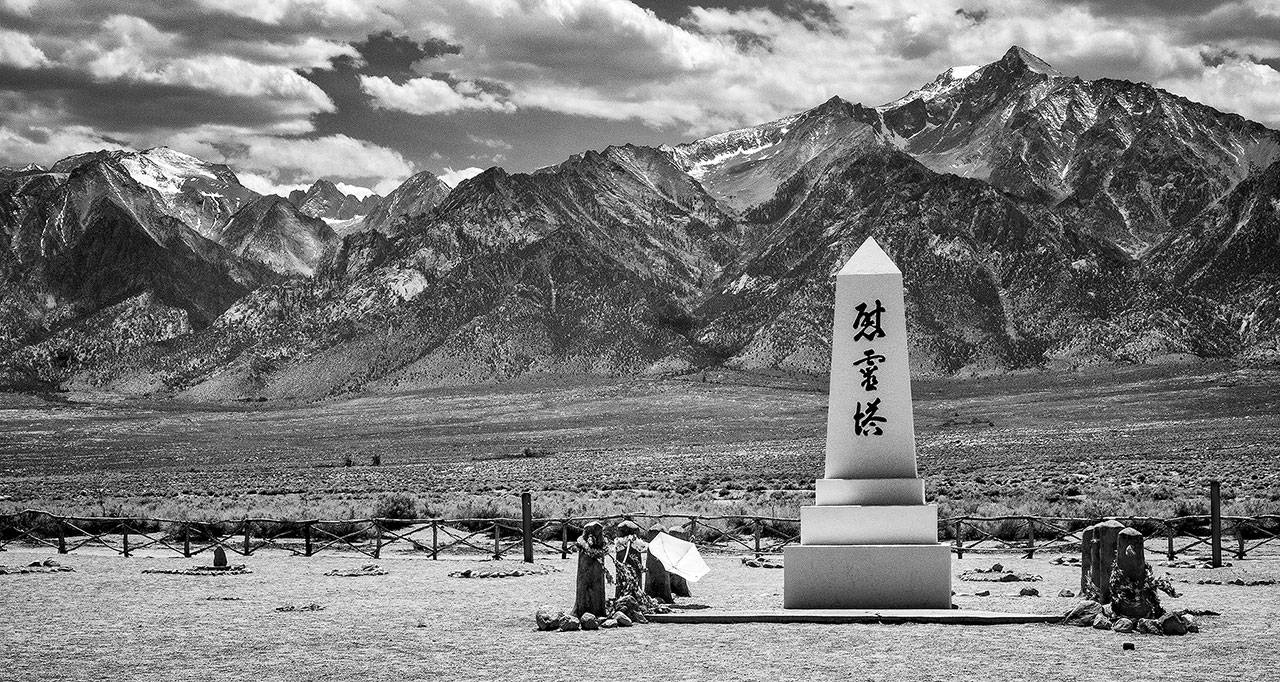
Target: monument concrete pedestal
x,y
869,541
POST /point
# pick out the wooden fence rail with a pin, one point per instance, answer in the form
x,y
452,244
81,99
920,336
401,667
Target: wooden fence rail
x,y
498,537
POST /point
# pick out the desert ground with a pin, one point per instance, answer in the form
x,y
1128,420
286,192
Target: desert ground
x,y
1103,441
109,620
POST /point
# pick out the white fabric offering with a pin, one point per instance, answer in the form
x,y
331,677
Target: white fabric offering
x,y
678,556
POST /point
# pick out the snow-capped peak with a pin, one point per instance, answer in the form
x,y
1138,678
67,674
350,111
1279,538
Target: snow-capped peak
x,y
163,169
944,82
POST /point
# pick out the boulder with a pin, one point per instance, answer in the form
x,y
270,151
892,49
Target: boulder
x,y
569,624
1172,624
1066,593
1149,626
219,557
623,620
1124,625
548,618
1127,646
609,623
588,621
1083,613
1101,622
1028,592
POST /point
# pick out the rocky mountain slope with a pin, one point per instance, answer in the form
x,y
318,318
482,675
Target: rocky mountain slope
x,y
271,231
1038,218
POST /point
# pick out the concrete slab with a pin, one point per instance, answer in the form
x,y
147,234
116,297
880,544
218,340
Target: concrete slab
x,y
868,491
866,577
842,616
869,525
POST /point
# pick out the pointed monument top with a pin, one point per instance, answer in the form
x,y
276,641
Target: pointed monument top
x,y
869,259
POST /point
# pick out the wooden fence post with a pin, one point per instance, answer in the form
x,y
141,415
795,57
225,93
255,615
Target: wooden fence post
x,y
306,538
1031,538
959,542
125,540
186,540
1239,540
377,539
246,538
62,537
1215,522
435,547
564,539
1168,534
526,525
497,541
756,532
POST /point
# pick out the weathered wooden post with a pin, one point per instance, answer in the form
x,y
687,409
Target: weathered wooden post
x,y
1240,549
377,539
959,541
247,549
1168,534
497,541
306,538
1215,523
62,536
186,541
755,531
590,581
526,525
435,536
1088,553
679,586
1031,538
657,580
564,539
125,538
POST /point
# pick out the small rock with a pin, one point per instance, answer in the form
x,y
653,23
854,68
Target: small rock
x,y
984,593
1101,622
588,621
1124,625
638,618
50,563
1149,626
1127,646
623,620
1029,592
1066,593
569,624
1083,613
997,568
609,623
1108,611
1171,624
548,618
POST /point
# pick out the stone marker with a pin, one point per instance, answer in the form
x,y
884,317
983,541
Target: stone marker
x,y
679,586
657,580
1132,593
1107,534
219,557
870,541
591,557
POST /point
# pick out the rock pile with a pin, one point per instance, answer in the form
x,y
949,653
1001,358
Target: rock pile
x,y
504,573
233,569
997,574
760,561
1103,617
367,569
46,566
622,612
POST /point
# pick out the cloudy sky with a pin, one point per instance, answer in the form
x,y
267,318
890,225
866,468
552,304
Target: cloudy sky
x,y
369,92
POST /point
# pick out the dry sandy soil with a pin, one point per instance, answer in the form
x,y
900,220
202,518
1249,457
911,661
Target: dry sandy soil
x,y
1108,441
108,620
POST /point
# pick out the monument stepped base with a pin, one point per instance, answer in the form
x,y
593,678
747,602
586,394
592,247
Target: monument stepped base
x,y
867,577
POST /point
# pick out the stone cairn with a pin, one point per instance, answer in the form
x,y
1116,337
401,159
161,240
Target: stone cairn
x,y
1118,587
591,609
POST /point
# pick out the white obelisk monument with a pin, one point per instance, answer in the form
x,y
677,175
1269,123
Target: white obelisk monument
x,y
870,541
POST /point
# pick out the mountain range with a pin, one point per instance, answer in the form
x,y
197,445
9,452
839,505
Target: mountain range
x,y
1039,219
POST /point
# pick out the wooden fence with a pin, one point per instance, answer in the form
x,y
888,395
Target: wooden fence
x,y
499,537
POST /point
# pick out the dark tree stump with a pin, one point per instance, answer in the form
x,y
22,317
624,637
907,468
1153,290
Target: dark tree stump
x,y
679,586
591,580
630,562
657,581
1133,593
1107,534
